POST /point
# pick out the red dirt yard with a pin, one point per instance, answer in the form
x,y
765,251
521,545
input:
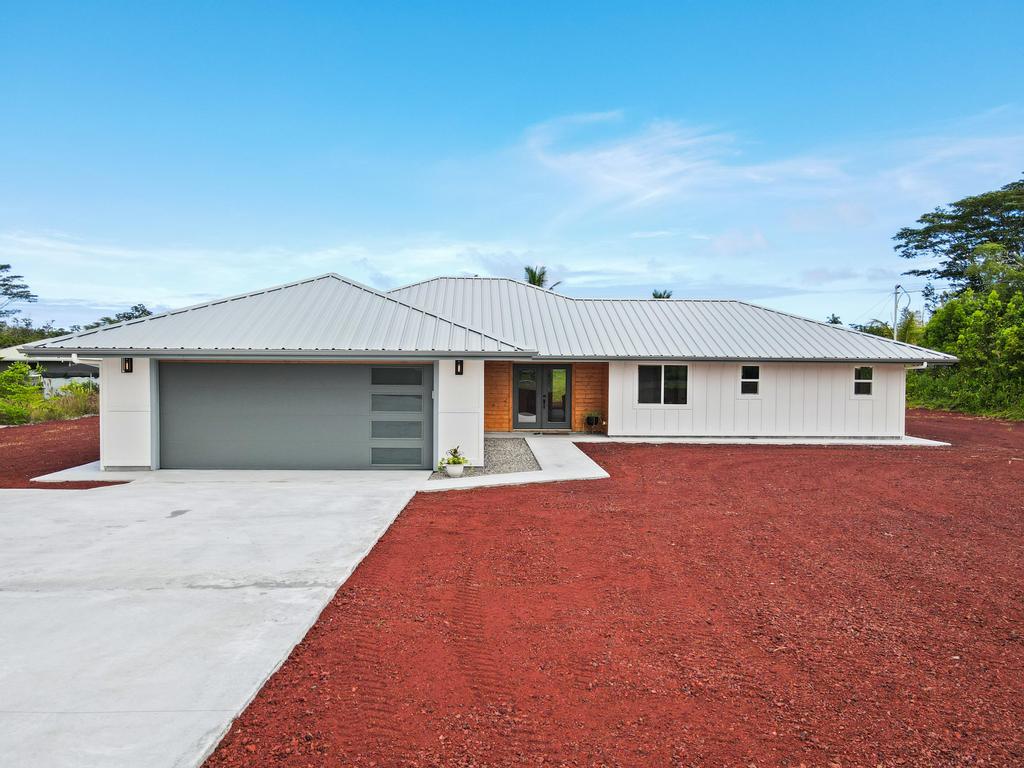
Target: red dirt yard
x,y
37,449
706,605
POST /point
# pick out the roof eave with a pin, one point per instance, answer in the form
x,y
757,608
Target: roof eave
x,y
283,354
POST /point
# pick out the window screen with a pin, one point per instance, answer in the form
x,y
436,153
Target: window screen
x,y
675,385
862,377
750,379
649,384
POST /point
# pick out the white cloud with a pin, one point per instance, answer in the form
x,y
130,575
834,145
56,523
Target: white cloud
x,y
611,206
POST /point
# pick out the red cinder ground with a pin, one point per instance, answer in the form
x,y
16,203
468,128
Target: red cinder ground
x,y
706,605
38,449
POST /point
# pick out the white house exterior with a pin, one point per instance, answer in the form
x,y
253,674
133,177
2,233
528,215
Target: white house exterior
x,y
326,373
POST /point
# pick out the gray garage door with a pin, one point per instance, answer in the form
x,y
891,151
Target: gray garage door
x,y
298,416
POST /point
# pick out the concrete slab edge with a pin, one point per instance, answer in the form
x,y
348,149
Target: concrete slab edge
x,y
559,458
219,736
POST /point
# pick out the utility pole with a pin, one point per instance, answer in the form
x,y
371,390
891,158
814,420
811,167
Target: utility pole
x,y
895,311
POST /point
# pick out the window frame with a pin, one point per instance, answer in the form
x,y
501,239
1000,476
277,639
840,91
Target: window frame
x,y
854,394
742,379
661,388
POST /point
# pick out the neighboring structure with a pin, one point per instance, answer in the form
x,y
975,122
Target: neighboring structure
x,y
326,373
55,374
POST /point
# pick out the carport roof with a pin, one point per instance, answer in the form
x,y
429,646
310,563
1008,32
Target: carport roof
x,y
327,315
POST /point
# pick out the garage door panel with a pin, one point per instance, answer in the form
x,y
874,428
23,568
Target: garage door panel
x,y
282,416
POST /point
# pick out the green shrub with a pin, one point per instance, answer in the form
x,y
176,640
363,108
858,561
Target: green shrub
x,y
66,405
986,332
83,388
22,400
966,390
11,413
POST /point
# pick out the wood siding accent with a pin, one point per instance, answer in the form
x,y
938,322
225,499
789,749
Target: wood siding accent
x,y
589,393
497,396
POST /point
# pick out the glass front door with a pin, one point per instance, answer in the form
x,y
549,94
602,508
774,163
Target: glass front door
x,y
542,396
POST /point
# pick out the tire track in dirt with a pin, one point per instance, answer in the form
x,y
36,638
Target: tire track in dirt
x,y
486,672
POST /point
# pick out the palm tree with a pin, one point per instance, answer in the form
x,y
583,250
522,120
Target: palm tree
x,y
539,276
661,293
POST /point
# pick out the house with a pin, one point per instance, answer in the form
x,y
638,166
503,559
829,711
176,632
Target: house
x,y
55,373
327,373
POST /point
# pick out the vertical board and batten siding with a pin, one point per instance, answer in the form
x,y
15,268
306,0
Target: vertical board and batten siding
x,y
795,400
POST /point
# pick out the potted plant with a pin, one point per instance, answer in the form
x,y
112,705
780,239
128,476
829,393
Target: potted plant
x,y
452,463
592,420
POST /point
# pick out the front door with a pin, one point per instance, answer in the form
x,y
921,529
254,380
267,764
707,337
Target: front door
x,y
543,397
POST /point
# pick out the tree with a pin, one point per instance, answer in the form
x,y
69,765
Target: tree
x,y
954,234
134,313
12,289
539,276
994,271
875,327
833,319
661,293
910,327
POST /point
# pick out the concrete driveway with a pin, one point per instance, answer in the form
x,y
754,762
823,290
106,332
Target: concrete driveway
x,y
136,621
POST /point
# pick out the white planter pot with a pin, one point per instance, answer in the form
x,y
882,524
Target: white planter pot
x,y
454,470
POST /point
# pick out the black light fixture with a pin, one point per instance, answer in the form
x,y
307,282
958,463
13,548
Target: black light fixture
x,y
458,367
126,365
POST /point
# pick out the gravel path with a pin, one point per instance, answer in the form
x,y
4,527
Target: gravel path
x,y
501,455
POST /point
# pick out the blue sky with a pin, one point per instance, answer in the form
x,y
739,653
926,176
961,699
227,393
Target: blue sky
x,y
168,153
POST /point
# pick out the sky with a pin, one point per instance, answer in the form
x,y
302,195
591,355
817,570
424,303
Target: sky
x,y
169,153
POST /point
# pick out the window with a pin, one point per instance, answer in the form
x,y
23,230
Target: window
x,y
396,429
750,379
392,403
403,376
395,456
661,385
862,380
649,384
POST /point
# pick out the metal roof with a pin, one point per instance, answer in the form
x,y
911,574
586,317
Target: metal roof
x,y
331,316
15,355
563,327
326,316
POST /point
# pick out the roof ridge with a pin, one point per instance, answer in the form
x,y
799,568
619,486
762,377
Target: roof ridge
x,y
547,291
192,307
281,287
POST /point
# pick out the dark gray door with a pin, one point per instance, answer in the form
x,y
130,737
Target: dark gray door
x,y
294,416
542,396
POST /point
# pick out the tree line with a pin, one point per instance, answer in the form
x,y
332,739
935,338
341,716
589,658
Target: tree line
x,y
976,250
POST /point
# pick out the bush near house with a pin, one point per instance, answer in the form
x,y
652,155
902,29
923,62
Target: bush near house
x,y
22,400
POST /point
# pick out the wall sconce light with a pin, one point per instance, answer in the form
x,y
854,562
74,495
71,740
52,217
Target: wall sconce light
x,y
126,365
458,367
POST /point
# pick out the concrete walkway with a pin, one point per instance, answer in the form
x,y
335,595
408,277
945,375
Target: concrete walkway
x,y
137,620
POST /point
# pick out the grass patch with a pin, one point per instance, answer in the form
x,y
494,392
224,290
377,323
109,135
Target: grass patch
x,y
965,391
